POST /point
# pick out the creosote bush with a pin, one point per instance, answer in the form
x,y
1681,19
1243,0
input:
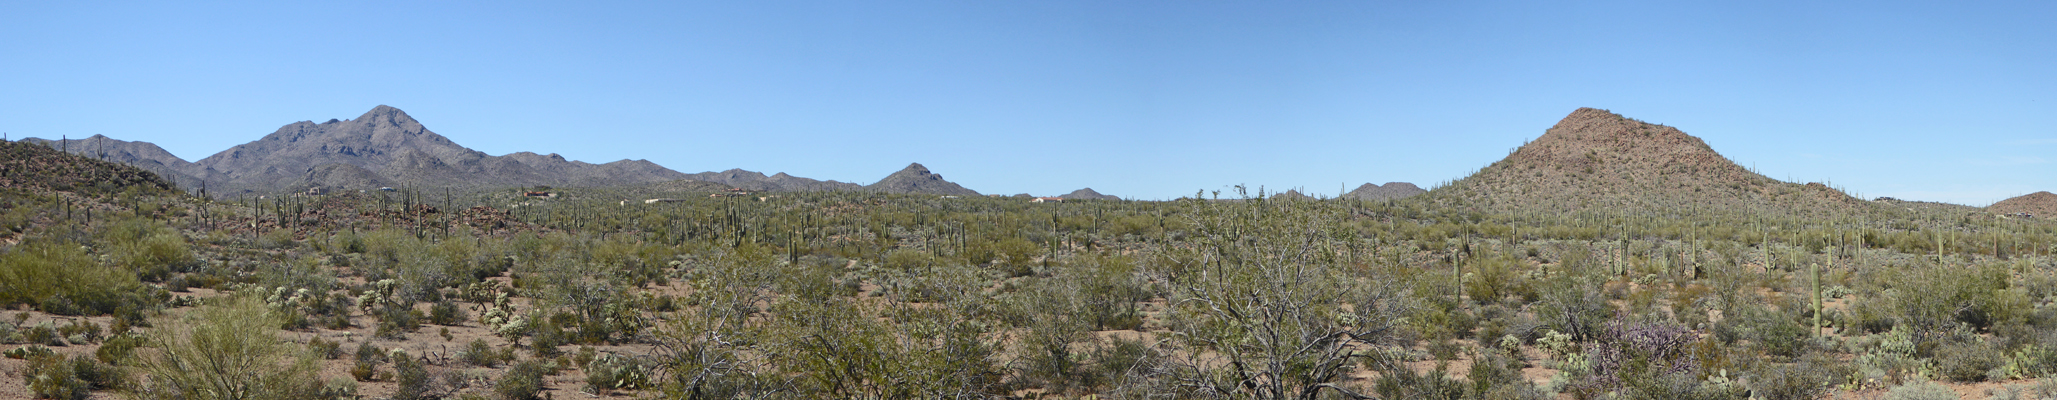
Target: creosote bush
x,y
226,350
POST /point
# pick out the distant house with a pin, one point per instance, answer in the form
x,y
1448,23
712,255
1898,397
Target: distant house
x,y
1047,200
654,201
386,189
538,194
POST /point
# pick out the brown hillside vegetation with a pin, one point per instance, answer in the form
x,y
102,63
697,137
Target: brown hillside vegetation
x,y
2041,204
1595,161
27,165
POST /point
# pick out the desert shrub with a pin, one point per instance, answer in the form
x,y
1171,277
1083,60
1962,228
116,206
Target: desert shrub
x,y
1627,352
151,250
478,353
1396,381
1935,299
413,381
1284,269
80,332
42,334
1776,333
1572,307
1809,378
523,381
226,350
909,260
1923,390
2031,361
1121,358
60,278
1048,313
55,377
1491,279
447,313
606,373
276,239
368,359
326,349
29,351
118,348
1495,375
1968,361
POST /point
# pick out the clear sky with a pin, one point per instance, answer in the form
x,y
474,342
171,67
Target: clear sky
x,y
1939,101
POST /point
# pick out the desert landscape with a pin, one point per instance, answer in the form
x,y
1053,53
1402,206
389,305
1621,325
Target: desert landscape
x,y
1607,258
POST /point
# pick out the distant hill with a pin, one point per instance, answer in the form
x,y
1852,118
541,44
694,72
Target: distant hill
x,y
1596,161
391,147
779,182
1389,191
143,155
35,166
1087,194
689,186
917,179
2042,204
1290,194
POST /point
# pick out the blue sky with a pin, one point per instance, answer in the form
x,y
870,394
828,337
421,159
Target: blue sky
x,y
1150,100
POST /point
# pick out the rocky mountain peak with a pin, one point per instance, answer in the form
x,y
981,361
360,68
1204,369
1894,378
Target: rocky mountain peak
x,y
918,179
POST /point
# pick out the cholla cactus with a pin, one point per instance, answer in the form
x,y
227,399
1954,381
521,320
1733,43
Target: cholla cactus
x,y
515,326
380,294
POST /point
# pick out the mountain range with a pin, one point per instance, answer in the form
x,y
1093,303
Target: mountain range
x,y
386,147
1591,161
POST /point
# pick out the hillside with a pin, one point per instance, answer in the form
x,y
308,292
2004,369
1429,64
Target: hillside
x,y
35,166
1389,191
1595,161
780,182
143,155
2040,204
917,179
1087,194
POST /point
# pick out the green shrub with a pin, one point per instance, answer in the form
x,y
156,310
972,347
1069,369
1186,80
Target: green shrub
x,y
523,381
478,353
326,349
1968,362
1805,380
607,373
26,352
413,381
1935,299
118,349
226,350
369,357
60,278
55,377
152,251
447,313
